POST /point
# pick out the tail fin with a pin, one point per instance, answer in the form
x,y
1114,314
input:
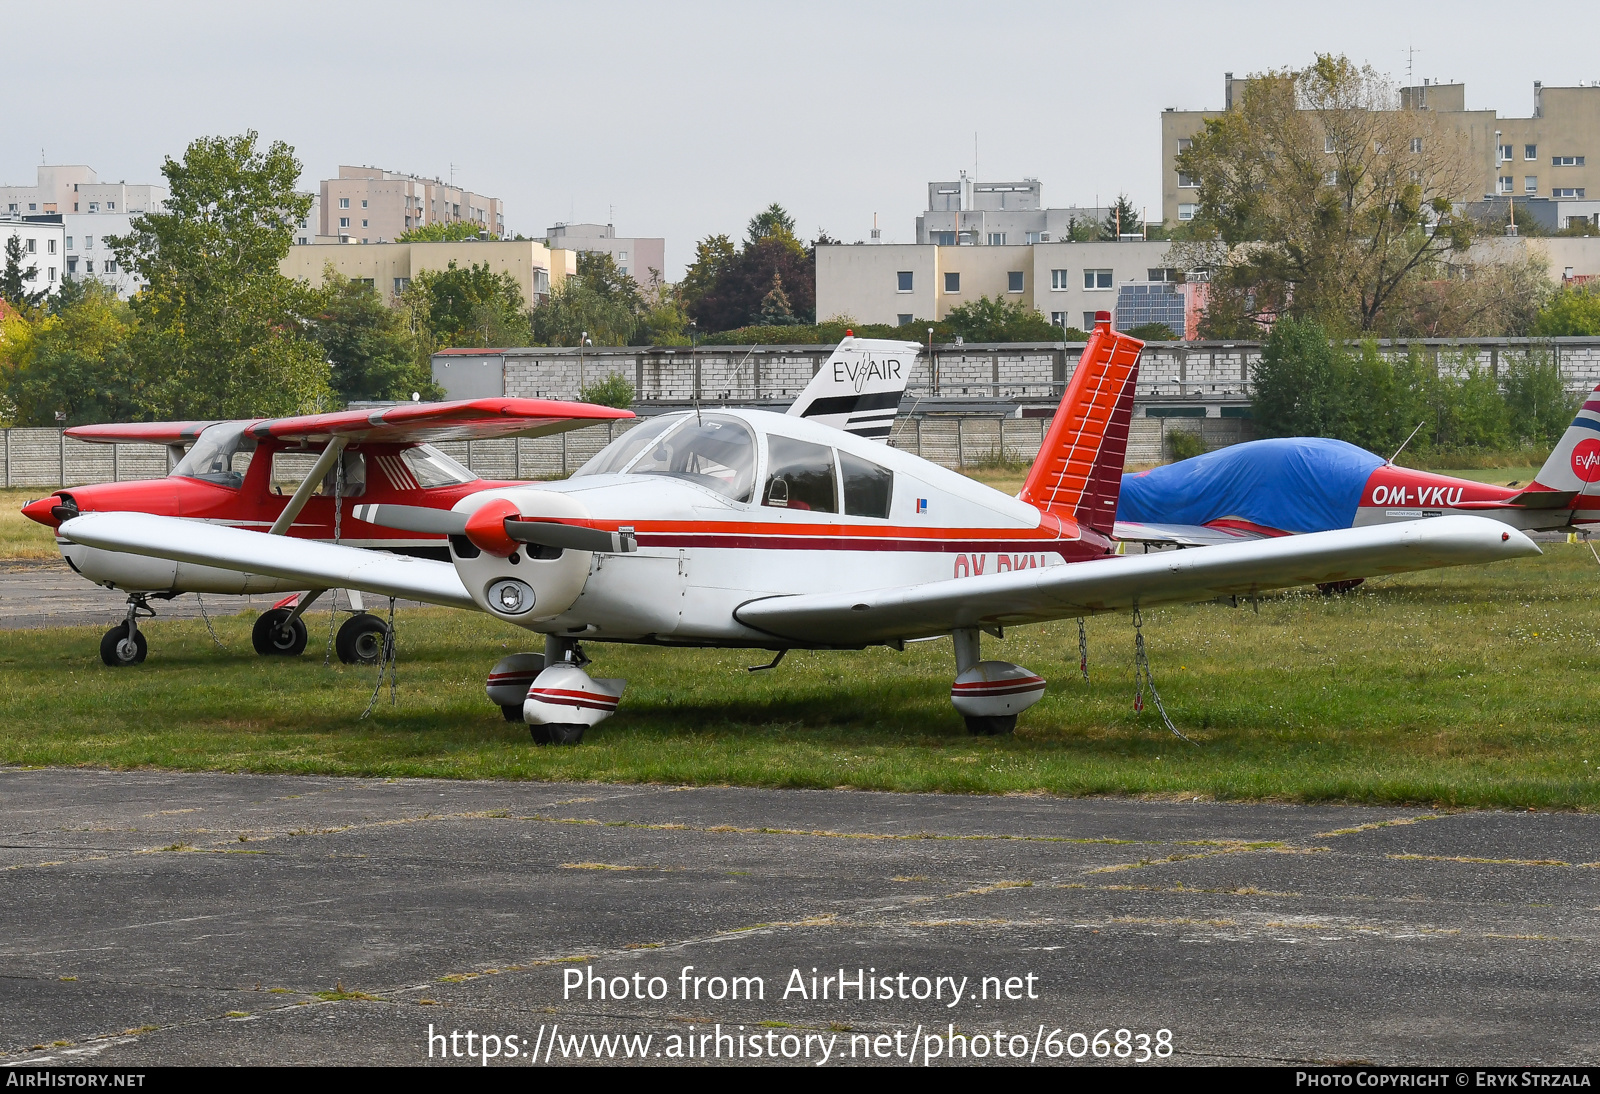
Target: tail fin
x,y
858,388
1575,462
1079,468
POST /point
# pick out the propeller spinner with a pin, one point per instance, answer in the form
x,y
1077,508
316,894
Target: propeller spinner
x,y
496,528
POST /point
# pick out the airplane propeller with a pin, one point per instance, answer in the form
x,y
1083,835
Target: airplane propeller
x,y
445,522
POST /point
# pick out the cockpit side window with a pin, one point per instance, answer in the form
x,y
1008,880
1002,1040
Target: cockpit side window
x,y
717,451
868,488
220,455
800,476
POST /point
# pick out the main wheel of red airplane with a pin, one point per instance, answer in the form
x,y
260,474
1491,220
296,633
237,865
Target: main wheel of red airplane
x,y
116,650
276,635
360,639
991,727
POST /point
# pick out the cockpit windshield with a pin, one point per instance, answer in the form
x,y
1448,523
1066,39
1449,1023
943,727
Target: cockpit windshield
x,y
220,455
432,468
716,451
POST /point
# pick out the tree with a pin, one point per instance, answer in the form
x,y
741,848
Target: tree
x,y
75,361
775,310
219,332
1122,219
999,320
1320,198
370,350
601,300
614,390
466,307
1574,310
14,280
443,231
771,221
714,257
1298,385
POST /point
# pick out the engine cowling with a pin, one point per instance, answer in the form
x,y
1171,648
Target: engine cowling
x,y
531,584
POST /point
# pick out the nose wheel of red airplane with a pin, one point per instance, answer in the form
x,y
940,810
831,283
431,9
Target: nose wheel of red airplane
x,y
124,644
279,633
360,640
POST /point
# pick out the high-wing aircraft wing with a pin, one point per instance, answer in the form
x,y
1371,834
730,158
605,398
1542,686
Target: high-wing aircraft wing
x,y
1084,588
414,423
319,565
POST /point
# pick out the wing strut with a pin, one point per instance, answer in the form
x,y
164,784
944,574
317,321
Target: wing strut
x,y
330,454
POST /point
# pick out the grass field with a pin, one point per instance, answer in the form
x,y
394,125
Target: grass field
x,y
1458,688
20,537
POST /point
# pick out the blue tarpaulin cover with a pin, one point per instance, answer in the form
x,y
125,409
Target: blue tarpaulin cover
x,y
1294,484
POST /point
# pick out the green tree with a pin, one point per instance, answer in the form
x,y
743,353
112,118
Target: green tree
x,y
466,307
771,221
601,301
15,278
714,257
77,363
1320,198
775,310
1154,332
370,350
999,320
218,331
1121,218
1298,386
613,390
1539,406
1572,311
441,231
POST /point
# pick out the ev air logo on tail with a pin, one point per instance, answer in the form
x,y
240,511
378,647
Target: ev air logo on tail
x,y
1586,460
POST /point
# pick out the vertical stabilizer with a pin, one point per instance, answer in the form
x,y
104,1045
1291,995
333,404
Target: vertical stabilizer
x,y
858,388
1575,462
1078,472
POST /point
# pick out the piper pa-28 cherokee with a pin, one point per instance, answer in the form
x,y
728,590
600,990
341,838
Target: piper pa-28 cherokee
x,y
742,528
365,458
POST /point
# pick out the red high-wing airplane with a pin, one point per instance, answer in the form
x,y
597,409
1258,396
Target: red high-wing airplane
x,y
742,528
386,460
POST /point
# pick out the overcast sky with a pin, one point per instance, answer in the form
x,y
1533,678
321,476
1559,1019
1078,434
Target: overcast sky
x,y
683,119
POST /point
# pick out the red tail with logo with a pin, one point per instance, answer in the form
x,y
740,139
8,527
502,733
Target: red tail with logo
x,y
1078,473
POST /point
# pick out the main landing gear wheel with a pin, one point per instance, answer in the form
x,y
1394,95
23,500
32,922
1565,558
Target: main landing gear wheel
x,y
1332,588
557,733
117,649
997,726
360,641
277,635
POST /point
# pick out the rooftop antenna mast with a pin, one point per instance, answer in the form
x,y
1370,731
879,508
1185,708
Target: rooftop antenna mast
x,y
1411,53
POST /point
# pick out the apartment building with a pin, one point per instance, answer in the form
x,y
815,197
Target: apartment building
x,y
1544,155
389,267
997,214
44,248
1066,282
74,188
371,205
640,257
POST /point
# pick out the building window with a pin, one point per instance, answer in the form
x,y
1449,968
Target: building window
x,y
1567,192
401,284
12,207
1566,161
69,243
109,265
94,207
904,319
1190,181
1014,281
1327,144
903,281
72,265
363,224
1416,145
50,246
1165,274
1186,211
1058,319
1505,184
1184,144
997,239
363,203
111,206
1505,153
52,275
1058,281
33,246
344,222
952,282
1530,152
33,206
1530,184
622,256
946,239
88,266
1096,279
344,203
1088,321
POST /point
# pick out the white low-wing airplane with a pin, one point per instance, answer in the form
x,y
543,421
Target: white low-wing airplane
x,y
743,528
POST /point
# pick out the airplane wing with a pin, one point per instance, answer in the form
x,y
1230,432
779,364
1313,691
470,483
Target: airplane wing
x,y
319,565
415,423
1111,584
1181,535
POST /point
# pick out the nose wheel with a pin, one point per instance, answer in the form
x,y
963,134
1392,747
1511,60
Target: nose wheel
x,y
125,644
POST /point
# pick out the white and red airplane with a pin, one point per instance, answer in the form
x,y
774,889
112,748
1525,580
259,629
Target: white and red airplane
x,y
742,528
365,458
1292,485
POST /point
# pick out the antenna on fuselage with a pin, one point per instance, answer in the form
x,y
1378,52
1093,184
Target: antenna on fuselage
x,y
1402,448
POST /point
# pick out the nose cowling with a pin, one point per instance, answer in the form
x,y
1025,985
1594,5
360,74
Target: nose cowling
x,y
44,510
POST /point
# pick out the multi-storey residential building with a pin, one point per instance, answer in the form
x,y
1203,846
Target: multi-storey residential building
x,y
44,247
371,205
640,257
77,189
997,214
389,267
1546,155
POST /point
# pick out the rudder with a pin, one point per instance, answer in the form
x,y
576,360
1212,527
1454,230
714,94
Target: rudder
x,y
1574,463
1078,472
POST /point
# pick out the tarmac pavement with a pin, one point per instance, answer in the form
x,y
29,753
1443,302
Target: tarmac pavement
x,y
169,918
